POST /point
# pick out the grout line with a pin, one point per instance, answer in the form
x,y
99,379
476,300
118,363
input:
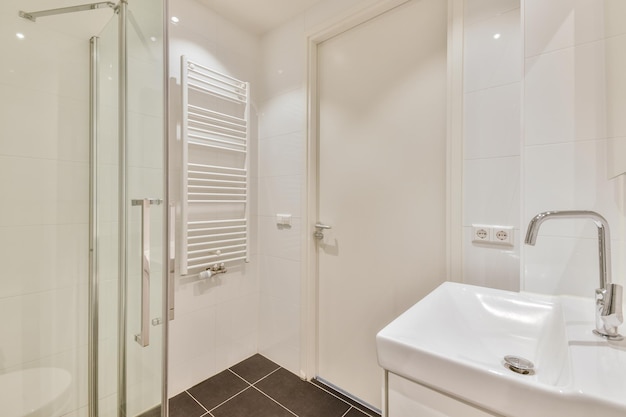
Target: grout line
x,y
275,370
364,410
491,87
199,403
249,383
228,399
239,376
275,400
347,411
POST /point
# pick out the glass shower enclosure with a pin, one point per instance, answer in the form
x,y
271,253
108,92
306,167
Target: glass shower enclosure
x,y
82,208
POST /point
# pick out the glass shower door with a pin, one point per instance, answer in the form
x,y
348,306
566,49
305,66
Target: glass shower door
x,y
130,178
145,207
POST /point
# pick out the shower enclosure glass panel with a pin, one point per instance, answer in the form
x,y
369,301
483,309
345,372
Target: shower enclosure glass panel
x,y
45,168
144,203
130,189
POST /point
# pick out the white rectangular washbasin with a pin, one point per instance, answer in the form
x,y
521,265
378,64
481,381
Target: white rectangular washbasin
x,y
455,340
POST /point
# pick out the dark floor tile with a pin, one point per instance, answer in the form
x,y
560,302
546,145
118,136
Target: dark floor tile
x,y
254,368
183,405
217,389
250,403
302,398
365,410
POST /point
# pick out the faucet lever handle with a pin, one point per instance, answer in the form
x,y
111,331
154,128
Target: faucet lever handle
x,y
612,304
609,313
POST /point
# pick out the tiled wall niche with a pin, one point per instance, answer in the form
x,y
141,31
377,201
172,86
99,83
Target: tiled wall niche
x,y
492,138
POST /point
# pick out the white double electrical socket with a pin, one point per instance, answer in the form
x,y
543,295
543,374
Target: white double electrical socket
x,y
495,235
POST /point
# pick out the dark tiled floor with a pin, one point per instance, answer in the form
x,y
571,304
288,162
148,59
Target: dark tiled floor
x,y
257,387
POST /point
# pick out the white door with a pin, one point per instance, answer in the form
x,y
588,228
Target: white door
x,y
381,184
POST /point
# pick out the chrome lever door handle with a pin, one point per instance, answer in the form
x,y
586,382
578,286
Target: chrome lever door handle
x,y
143,338
319,232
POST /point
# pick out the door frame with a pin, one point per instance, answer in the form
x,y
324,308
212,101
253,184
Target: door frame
x,y
454,160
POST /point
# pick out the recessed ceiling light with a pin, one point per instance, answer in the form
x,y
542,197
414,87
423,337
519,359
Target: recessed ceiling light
x,y
153,38
496,36
174,19
19,35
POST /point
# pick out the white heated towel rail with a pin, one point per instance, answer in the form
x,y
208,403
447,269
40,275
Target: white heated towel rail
x,y
215,136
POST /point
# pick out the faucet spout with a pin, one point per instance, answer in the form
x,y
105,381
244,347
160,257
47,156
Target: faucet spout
x,y
608,296
604,238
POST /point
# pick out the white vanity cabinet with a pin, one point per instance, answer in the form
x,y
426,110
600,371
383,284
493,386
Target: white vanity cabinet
x,y
405,398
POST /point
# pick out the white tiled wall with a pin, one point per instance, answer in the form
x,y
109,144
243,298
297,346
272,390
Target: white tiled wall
x,y
492,134
574,92
216,323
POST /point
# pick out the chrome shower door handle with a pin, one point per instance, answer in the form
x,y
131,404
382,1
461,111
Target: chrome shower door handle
x,y
143,338
319,230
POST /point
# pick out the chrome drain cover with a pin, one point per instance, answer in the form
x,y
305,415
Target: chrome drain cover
x,y
520,365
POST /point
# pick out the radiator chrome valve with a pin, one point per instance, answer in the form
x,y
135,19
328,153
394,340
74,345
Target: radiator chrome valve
x,y
213,270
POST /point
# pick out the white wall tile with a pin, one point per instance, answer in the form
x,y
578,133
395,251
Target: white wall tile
x,y
280,195
283,242
45,60
283,155
191,371
283,58
144,147
48,191
576,93
491,62
279,331
283,114
492,191
563,265
570,176
60,131
615,88
61,253
492,125
491,266
561,24
227,355
616,156
194,17
197,48
281,278
549,100
236,318
192,335
478,10
42,324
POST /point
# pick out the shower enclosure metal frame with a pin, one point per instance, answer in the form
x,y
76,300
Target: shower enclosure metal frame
x,y
94,289
32,16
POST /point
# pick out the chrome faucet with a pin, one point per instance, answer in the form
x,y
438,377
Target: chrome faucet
x,y
609,295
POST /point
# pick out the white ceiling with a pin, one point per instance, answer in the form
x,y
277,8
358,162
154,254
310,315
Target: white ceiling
x,y
259,16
